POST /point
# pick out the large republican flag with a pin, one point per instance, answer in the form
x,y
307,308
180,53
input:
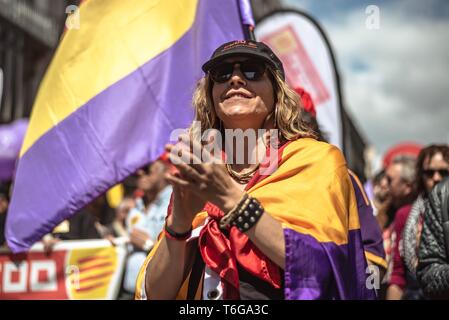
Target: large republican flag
x,y
114,91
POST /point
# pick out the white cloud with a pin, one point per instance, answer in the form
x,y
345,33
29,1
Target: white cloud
x,y
395,80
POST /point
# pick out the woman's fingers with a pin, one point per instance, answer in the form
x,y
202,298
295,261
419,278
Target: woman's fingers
x,y
176,181
195,182
178,153
212,149
190,173
195,149
210,152
193,159
181,153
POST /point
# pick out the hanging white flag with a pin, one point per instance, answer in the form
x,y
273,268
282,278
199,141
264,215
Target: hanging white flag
x,y
309,64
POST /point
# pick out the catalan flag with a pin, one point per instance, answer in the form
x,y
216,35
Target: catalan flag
x,y
114,91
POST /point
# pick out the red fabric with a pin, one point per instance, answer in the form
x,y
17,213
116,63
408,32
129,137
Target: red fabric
x,y
221,254
398,273
307,101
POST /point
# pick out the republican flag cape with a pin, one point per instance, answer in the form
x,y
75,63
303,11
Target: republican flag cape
x,y
317,207
114,91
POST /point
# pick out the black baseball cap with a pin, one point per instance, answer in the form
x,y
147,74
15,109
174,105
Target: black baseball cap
x,y
245,48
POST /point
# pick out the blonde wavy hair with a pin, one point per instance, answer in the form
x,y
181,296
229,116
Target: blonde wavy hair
x,y
288,109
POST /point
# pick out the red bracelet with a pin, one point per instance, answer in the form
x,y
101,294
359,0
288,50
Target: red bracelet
x,y
176,236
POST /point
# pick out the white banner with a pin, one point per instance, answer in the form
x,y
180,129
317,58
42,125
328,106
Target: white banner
x,y
308,62
75,270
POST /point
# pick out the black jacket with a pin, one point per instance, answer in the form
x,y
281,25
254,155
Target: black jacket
x,y
433,266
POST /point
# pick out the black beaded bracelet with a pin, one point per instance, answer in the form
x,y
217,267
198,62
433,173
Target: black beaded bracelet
x,y
244,216
250,213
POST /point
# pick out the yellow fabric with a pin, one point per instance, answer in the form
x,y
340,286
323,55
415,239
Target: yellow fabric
x,y
374,259
63,227
115,195
310,192
313,192
362,189
112,41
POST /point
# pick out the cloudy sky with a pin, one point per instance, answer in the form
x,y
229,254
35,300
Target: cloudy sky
x,y
395,79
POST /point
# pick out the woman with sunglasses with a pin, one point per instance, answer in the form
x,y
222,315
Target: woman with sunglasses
x,y
283,229
432,166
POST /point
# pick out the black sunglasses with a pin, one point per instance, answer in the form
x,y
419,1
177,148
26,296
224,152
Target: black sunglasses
x,y
431,172
252,70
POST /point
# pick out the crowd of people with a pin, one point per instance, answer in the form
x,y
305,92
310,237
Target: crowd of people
x,y
409,211
305,229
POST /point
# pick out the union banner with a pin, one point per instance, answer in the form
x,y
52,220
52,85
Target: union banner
x,y
74,270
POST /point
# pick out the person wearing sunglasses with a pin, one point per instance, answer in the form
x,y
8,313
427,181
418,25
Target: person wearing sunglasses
x,y
248,230
432,166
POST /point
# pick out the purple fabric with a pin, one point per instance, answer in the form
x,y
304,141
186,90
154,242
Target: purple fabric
x,y
371,233
116,132
11,139
7,166
368,186
246,12
325,270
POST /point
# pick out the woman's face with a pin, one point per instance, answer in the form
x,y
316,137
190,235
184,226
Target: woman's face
x,y
432,171
242,103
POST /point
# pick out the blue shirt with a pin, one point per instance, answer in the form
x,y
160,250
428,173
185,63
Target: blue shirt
x,y
152,220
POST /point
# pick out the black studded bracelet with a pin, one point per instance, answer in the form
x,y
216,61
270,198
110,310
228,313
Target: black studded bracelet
x,y
245,215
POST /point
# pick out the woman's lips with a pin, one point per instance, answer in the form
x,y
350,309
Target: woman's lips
x,y
237,96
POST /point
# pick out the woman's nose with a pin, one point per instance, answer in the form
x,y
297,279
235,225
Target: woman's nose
x,y
237,77
437,177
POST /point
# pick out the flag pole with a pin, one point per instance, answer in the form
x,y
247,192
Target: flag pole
x,y
251,35
246,15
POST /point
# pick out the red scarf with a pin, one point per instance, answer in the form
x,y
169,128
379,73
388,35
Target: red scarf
x,y
221,254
